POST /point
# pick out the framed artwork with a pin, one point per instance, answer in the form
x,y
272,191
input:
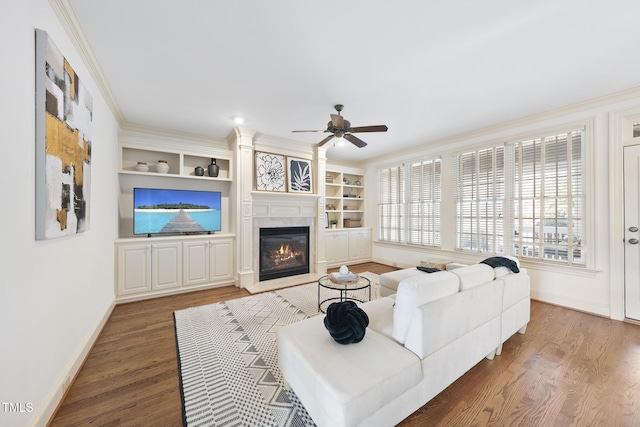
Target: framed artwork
x,y
270,172
64,114
299,171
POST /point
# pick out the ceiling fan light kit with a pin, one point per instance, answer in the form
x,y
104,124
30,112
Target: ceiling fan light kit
x,y
338,127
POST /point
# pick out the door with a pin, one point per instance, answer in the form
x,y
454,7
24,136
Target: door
x,y
631,231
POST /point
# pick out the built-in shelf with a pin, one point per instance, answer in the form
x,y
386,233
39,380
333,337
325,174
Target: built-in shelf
x,y
344,198
181,164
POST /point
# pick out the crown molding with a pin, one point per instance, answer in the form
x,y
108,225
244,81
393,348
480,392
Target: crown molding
x,y
566,110
69,20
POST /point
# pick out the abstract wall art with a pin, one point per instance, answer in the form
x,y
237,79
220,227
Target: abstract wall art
x,y
299,171
270,172
64,115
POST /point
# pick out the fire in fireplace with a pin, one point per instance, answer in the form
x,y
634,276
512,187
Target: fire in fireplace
x,y
284,251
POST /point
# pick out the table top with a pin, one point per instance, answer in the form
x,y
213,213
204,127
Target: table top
x,y
361,283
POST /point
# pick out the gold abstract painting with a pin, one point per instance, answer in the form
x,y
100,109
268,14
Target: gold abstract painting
x,y
64,115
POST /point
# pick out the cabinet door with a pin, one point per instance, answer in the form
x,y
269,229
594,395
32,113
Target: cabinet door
x,y
134,269
195,262
220,260
167,266
359,244
337,247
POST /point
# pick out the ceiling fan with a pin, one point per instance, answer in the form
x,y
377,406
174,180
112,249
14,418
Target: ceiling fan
x,y
338,127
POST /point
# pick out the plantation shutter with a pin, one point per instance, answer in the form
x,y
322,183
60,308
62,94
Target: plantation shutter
x,y
391,188
480,193
549,200
424,203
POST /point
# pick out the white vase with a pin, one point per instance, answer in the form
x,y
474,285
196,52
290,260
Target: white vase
x,y
162,166
142,167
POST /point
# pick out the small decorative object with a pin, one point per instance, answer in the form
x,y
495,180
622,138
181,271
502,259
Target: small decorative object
x,y
162,166
199,171
334,223
213,169
357,183
346,322
142,167
270,172
343,276
299,175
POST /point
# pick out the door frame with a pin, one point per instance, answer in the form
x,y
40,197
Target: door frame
x,y
620,136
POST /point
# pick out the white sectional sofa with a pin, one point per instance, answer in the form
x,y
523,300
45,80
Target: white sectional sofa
x,y
418,342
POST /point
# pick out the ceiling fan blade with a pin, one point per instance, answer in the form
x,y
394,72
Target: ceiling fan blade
x,y
378,128
355,140
324,141
337,121
308,131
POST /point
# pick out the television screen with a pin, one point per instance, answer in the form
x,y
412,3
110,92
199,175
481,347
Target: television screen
x,y
159,211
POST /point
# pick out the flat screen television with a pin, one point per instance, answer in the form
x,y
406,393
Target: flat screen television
x,y
162,211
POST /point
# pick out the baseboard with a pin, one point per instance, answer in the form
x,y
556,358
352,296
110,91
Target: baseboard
x,y
573,303
64,383
169,292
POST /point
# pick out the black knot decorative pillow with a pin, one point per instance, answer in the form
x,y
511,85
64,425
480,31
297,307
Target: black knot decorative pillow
x,y
346,322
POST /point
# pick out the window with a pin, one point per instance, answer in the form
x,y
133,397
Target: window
x,y
409,198
549,198
424,203
480,192
538,185
391,188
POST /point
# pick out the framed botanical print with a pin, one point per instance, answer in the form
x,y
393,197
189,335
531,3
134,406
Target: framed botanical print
x,y
299,171
270,172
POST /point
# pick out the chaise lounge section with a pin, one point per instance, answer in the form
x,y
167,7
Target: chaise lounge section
x,y
418,342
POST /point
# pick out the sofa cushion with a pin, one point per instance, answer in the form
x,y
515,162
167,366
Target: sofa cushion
x,y
342,385
380,312
416,291
473,275
389,281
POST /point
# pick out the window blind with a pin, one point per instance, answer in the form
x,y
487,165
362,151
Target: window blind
x,y
549,198
425,198
480,196
391,215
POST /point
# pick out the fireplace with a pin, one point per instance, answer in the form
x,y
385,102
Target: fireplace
x,y
284,251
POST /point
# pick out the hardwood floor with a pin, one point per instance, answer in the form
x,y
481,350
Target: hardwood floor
x,y
570,368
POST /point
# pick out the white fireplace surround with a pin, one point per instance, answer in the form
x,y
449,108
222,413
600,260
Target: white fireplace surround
x,y
271,210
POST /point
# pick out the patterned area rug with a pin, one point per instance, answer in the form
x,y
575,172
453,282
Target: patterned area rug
x,y
228,359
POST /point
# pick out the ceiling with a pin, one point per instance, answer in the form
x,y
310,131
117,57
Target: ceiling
x,y
426,69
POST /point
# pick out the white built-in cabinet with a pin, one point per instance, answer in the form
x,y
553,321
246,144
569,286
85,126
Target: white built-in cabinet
x,y
156,266
350,241
347,246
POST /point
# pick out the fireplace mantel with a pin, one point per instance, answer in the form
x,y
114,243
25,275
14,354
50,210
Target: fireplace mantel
x,y
278,205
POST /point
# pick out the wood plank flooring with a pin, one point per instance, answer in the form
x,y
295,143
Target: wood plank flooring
x,y
569,369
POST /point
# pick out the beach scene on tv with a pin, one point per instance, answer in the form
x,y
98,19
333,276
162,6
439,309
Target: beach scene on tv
x,y
159,211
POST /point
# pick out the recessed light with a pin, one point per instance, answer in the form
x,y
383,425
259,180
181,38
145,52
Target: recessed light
x,y
239,120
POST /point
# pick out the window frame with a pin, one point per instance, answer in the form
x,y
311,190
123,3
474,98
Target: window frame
x,y
588,213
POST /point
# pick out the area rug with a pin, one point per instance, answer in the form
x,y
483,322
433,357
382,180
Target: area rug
x,y
228,360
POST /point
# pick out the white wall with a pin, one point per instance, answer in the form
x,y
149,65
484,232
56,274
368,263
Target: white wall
x,y
53,294
589,289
